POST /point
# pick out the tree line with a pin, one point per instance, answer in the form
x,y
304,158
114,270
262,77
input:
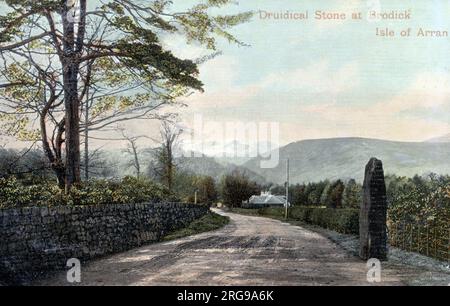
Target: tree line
x,y
333,194
427,196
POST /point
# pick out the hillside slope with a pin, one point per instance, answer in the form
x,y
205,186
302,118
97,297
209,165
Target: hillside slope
x,y
314,160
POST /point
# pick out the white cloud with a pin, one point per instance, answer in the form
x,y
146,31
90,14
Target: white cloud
x,y
219,75
318,77
428,91
390,119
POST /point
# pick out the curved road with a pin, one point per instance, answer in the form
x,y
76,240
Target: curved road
x,y
248,251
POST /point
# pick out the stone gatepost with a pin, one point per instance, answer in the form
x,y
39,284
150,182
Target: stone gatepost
x,y
372,215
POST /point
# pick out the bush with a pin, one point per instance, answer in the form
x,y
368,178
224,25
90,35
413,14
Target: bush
x,y
128,190
237,187
420,205
209,222
206,190
271,211
340,220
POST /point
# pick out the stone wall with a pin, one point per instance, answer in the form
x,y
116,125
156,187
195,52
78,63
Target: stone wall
x,y
36,240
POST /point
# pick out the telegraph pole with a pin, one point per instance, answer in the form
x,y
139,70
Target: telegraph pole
x,y
287,190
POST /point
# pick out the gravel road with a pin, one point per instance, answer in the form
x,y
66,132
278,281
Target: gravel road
x,y
248,251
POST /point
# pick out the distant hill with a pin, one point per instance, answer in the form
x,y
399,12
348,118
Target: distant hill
x,y
120,164
238,150
445,138
314,160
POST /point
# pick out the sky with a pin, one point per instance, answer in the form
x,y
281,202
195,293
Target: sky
x,y
323,78
331,78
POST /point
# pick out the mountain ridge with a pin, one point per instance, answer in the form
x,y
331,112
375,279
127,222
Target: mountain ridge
x,y
345,158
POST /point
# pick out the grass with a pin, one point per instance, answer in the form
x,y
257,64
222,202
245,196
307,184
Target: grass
x,y
255,212
246,211
209,222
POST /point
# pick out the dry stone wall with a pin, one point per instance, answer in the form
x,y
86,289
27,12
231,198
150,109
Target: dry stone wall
x,y
36,240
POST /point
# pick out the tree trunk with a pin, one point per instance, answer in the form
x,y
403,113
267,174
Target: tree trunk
x,y
54,158
71,100
136,162
60,175
86,138
169,167
72,125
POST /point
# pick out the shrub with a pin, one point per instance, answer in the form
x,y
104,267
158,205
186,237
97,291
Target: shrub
x,y
271,211
128,190
340,220
420,205
237,187
352,195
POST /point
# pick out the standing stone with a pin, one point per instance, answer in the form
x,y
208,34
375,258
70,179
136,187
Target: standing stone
x,y
372,215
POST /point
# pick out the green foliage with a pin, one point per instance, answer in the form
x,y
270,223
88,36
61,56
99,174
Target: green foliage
x,y
316,190
296,194
340,220
236,187
418,211
424,201
272,211
201,26
325,196
419,214
352,196
117,51
96,192
206,190
335,197
186,184
209,222
323,193
28,166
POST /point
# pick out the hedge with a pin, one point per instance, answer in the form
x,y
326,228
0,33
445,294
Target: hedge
x,y
14,194
340,220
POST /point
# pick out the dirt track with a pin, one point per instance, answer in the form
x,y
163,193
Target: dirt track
x,y
248,251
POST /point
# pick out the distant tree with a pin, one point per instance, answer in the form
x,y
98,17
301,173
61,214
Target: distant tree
x,y
325,196
163,165
236,187
308,189
394,186
311,194
206,190
99,165
297,195
28,165
184,185
337,189
277,189
133,150
352,196
316,193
